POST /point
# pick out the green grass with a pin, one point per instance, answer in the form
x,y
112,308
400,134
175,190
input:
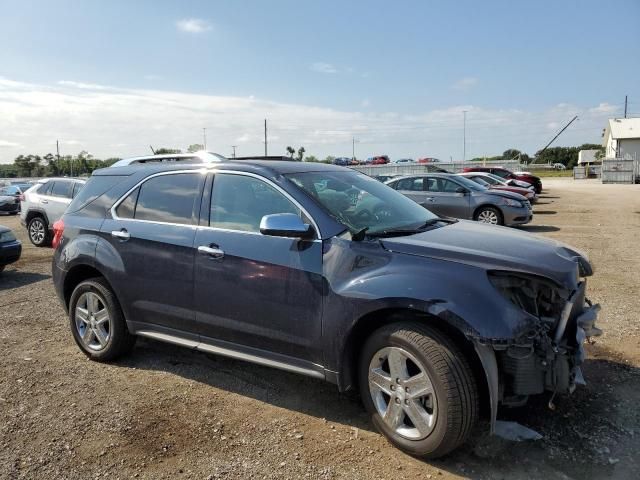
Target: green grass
x,y
553,173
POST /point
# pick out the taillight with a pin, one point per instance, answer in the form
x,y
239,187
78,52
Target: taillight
x,y
58,230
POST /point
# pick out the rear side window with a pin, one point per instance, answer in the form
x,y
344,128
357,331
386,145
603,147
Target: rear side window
x,y
77,186
166,198
46,188
61,188
95,187
411,184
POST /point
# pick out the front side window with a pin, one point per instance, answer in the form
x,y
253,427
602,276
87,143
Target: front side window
x,y
238,202
165,198
376,207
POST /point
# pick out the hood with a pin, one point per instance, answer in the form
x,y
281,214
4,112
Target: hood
x,y
495,248
502,193
7,198
519,190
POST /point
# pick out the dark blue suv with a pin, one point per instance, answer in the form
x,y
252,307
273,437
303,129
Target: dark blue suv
x,y
323,271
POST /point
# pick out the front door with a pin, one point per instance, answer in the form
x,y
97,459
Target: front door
x,y
263,292
446,199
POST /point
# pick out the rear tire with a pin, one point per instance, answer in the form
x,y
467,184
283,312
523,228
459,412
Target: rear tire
x,y
38,231
97,323
490,215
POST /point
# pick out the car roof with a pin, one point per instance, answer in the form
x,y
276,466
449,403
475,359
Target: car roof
x,y
265,167
197,157
428,174
45,180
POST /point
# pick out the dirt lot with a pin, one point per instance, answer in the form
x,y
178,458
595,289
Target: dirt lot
x,y
166,412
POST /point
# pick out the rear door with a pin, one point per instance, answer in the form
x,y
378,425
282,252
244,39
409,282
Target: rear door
x,y
414,188
447,201
57,199
152,232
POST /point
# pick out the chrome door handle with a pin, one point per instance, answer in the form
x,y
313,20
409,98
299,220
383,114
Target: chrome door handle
x,y
211,251
121,234
430,199
44,201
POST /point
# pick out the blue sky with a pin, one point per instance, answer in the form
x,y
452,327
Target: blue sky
x,y
113,77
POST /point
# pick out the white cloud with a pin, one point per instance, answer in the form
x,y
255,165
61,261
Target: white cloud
x,y
193,25
82,86
322,67
111,121
365,103
465,84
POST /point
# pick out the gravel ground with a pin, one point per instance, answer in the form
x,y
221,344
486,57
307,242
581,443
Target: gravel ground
x,y
166,412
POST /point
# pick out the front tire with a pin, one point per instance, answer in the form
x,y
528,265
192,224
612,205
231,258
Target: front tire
x,y
489,215
39,232
97,323
418,388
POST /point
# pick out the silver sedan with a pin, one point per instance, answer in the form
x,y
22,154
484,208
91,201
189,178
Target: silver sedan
x,y
459,197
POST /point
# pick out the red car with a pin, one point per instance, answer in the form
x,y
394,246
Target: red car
x,y
380,160
483,179
428,160
508,174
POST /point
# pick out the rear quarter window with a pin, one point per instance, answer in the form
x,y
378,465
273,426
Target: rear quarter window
x,y
94,188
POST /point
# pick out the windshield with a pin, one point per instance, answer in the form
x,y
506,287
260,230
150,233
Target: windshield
x,y
480,181
470,184
358,201
498,179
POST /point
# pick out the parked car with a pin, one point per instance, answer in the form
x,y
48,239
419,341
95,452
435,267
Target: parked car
x,y
16,190
9,203
45,203
10,247
404,160
496,183
343,161
428,160
459,197
559,166
508,174
324,271
379,160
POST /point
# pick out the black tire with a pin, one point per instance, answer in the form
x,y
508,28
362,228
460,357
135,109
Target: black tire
x,y
120,341
489,210
39,224
453,382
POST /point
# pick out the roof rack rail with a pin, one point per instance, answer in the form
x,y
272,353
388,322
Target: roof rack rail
x,y
266,157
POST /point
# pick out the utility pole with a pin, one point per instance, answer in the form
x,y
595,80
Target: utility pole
x,y
464,135
204,138
625,106
265,137
58,153
234,150
353,148
557,135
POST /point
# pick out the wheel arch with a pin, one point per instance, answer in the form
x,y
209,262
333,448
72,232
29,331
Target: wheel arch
x,y
76,275
490,205
32,213
372,321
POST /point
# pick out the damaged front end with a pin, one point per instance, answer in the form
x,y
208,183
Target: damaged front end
x,y
548,354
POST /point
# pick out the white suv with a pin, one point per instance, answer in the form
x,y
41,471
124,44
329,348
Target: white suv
x,y
44,203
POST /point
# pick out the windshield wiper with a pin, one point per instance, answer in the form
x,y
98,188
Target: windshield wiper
x,y
410,231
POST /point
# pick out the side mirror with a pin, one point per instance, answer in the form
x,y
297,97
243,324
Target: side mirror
x,y
284,225
461,190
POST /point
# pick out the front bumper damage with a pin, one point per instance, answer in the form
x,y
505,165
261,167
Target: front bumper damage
x,y
546,359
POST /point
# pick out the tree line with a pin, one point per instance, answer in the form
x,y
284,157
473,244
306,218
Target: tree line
x,y
50,165
567,156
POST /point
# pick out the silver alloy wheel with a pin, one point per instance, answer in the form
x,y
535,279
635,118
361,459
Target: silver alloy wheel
x,y
488,216
37,231
93,321
403,393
